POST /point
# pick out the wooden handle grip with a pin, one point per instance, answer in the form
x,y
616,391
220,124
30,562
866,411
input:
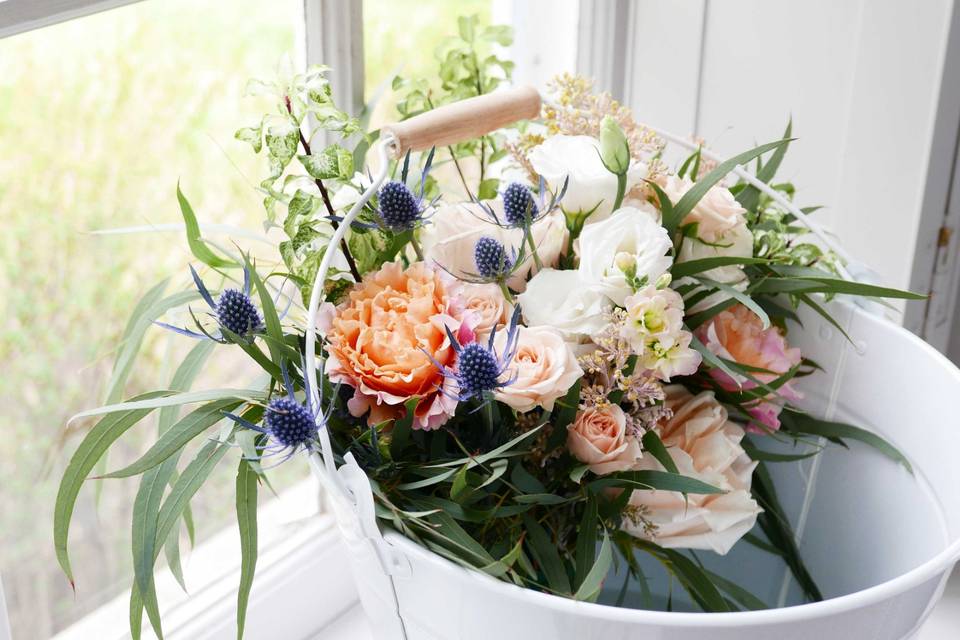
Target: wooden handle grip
x,y
464,120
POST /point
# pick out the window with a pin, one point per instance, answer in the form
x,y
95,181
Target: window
x,y
100,116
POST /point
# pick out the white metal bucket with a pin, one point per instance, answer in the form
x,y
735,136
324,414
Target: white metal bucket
x,y
880,542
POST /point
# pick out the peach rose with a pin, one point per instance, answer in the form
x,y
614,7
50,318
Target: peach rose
x,y
598,437
544,368
737,334
716,213
489,307
454,229
704,445
381,336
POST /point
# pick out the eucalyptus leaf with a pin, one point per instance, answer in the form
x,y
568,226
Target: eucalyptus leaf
x,y
246,502
198,247
91,448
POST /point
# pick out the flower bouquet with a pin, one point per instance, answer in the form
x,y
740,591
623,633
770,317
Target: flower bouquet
x,y
555,352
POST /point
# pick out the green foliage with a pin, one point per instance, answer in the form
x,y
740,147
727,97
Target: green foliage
x,y
468,66
247,523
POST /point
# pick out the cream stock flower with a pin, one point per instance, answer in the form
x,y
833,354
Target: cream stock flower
x,y
653,326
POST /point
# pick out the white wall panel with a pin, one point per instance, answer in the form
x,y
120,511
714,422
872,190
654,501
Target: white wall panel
x,y
861,79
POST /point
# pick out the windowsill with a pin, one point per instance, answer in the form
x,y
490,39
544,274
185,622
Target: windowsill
x,y
293,594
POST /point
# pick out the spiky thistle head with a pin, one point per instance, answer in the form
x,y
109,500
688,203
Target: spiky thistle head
x,y
481,369
236,312
519,206
399,208
491,259
478,369
289,423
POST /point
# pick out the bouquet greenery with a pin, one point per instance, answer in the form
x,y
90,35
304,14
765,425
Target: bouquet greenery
x,y
575,360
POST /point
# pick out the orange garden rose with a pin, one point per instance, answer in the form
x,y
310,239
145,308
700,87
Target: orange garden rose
x,y
382,339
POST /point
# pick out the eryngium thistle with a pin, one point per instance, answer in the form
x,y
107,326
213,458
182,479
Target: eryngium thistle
x,y
478,369
518,205
491,258
289,422
237,313
399,208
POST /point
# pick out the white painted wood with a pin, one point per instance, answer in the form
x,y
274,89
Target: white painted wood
x,y
334,37
936,267
302,583
4,619
861,79
663,58
18,16
545,42
602,36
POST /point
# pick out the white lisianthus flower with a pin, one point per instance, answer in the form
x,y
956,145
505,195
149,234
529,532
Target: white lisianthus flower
x,y
560,300
591,186
623,253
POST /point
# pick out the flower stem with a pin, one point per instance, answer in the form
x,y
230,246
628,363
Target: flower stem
x,y
488,416
533,247
506,292
416,246
621,190
463,179
326,203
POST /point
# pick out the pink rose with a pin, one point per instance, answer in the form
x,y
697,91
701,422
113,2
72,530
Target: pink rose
x,y
489,307
737,334
716,213
543,369
598,437
454,229
704,445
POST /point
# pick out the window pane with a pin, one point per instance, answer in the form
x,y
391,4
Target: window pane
x,y
402,37
99,118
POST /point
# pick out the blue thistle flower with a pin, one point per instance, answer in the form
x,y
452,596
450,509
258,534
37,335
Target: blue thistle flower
x,y
479,368
491,259
234,311
290,425
237,313
518,205
399,208
289,422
